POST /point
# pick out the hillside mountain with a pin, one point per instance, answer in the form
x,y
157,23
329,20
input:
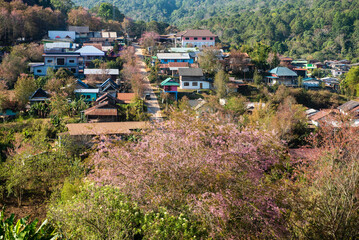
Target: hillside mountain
x,y
181,11
316,29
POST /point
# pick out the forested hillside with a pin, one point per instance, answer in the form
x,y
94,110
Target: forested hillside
x,y
300,28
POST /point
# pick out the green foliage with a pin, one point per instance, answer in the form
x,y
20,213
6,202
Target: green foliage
x,y
24,229
220,83
108,12
236,105
34,167
209,62
257,78
135,111
95,212
24,88
63,5
351,82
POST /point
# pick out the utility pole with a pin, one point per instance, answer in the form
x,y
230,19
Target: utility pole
x,y
113,10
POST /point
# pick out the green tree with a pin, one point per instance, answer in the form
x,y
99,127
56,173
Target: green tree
x,y
257,78
208,61
62,5
351,82
24,88
108,12
220,83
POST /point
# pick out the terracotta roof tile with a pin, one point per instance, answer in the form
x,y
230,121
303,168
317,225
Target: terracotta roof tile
x,y
126,97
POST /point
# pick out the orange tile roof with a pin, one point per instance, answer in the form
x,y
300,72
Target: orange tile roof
x,y
100,112
126,97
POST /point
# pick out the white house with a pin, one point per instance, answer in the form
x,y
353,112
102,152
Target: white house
x,y
192,78
90,53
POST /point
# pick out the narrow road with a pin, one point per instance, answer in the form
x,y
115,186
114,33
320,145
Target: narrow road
x,y
152,105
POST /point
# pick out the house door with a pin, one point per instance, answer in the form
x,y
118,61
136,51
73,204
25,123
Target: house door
x,y
200,85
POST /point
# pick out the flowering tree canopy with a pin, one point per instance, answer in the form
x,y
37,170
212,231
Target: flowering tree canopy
x,y
215,169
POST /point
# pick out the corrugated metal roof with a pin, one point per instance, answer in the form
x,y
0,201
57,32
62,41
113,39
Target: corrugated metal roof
x,y
348,106
190,72
79,29
90,51
97,71
58,45
173,56
96,90
183,50
198,33
170,82
283,72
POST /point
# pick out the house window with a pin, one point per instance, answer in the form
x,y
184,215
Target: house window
x,y
187,38
195,84
49,61
186,84
38,71
72,61
195,38
211,38
61,61
204,38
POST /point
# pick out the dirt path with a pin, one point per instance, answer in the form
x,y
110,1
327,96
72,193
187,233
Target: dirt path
x,y
152,105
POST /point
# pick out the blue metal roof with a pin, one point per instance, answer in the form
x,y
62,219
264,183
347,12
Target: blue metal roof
x,y
283,72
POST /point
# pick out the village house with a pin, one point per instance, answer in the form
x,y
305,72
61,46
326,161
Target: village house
x,y
170,86
81,33
105,109
282,75
172,67
90,53
325,116
57,59
39,96
198,38
311,83
193,78
166,58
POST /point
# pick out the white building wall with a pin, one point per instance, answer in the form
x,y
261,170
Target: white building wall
x,y
195,85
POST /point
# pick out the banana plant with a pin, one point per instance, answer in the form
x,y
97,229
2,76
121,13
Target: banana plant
x,y
25,230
